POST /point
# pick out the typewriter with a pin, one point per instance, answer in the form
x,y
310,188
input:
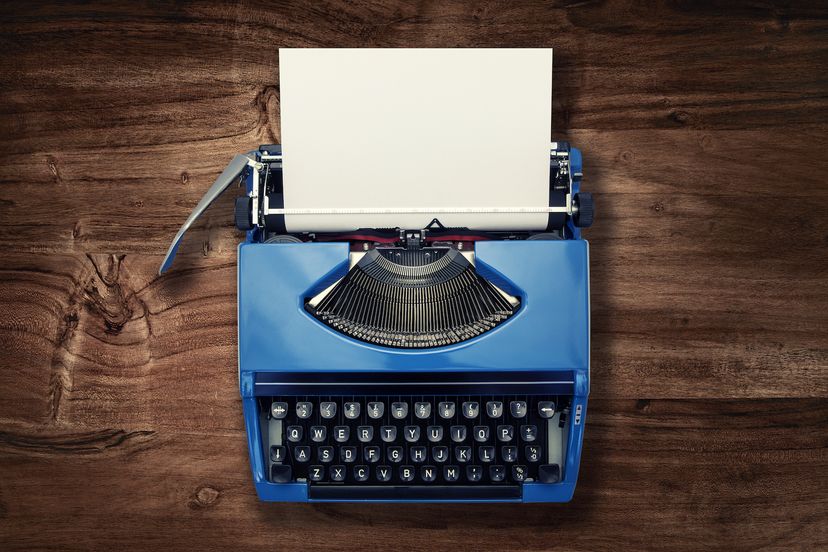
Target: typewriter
x,y
411,364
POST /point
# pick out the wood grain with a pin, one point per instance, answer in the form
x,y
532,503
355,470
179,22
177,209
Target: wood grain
x,y
703,127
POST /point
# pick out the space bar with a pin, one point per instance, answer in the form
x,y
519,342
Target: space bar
x,y
414,492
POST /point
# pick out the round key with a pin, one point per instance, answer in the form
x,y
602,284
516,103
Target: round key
x,y
519,473
546,409
418,454
458,433
341,434
474,473
383,474
451,473
278,410
481,433
422,410
509,454
462,454
486,454
361,473
497,473
494,409
347,454
351,410
376,410
428,474
372,455
412,433
435,433
549,473
318,433
294,434
327,409
280,473
532,453
302,454
471,409
337,473
326,454
316,473
446,410
529,433
395,454
505,433
407,473
399,410
365,434
278,453
518,409
439,454
388,434
304,410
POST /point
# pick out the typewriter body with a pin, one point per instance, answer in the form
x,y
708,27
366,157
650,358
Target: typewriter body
x,y
411,365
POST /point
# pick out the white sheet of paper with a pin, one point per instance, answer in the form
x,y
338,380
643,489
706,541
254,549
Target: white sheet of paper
x,y
415,128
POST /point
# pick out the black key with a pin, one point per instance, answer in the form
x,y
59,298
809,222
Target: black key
x,y
365,434
388,434
422,410
451,473
481,433
304,410
361,473
428,474
446,410
412,433
351,410
494,409
439,454
505,433
327,409
435,433
462,454
497,473
326,454
294,434
509,454
318,434
529,433
277,453
279,410
316,473
302,454
486,454
337,473
376,410
395,454
532,453
280,473
546,409
418,454
549,473
519,473
458,433
518,409
474,473
471,409
347,454
384,474
399,410
407,473
372,454
342,434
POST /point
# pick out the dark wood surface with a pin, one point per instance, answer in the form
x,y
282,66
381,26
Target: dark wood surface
x,y
703,128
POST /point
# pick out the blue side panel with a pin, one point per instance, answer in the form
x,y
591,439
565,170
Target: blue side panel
x,y
549,333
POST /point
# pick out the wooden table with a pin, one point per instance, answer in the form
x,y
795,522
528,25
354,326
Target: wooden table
x,y
704,139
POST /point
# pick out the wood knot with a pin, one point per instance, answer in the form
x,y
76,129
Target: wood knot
x,y
185,178
627,157
643,405
679,117
204,497
53,168
657,206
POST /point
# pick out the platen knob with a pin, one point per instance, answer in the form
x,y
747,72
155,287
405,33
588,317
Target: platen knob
x,y
586,210
244,213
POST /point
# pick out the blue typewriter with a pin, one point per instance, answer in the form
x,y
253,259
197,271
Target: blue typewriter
x,y
438,364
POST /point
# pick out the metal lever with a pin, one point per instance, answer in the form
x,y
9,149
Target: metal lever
x,y
224,180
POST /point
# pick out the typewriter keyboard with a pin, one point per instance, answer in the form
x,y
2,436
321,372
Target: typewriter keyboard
x,y
363,447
